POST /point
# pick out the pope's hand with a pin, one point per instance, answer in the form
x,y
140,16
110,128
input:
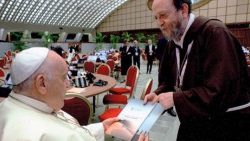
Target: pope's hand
x,y
152,97
143,137
108,122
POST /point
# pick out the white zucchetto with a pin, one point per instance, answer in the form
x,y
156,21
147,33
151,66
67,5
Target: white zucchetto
x,y
26,63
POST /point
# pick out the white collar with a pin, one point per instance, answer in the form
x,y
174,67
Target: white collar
x,y
190,21
32,102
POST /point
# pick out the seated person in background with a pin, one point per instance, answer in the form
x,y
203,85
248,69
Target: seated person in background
x,y
116,54
33,109
58,50
71,53
98,60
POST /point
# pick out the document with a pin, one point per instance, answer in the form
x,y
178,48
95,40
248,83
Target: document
x,y
135,118
75,90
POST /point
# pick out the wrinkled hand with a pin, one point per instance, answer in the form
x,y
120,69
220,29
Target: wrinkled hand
x,y
108,122
166,100
143,137
152,97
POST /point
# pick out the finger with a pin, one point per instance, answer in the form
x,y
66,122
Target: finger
x,y
146,137
149,97
111,120
116,119
146,99
156,99
141,137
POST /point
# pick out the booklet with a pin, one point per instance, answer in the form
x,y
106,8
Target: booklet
x,y
75,90
135,118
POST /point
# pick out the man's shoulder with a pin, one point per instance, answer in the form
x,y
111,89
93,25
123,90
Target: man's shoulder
x,y
209,22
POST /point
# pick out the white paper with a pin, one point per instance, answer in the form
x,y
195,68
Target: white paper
x,y
133,117
76,90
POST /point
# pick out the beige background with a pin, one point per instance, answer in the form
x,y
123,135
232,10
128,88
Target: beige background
x,y
135,15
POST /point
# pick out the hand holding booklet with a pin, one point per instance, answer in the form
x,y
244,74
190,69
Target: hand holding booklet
x,y
136,118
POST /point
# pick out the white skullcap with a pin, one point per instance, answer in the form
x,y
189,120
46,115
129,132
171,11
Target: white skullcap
x,y
26,63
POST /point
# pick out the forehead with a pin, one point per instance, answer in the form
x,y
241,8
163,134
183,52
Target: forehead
x,y
58,62
162,5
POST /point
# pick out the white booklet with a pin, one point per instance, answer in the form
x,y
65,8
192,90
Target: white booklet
x,y
75,90
136,118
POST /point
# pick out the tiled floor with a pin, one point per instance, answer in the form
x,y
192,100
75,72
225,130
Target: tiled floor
x,y
166,127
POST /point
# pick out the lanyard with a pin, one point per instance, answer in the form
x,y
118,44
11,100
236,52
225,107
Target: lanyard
x,y
181,68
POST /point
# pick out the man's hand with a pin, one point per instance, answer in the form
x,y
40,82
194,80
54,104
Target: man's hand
x,y
152,97
166,100
108,122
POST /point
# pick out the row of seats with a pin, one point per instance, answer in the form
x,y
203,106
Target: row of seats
x,y
115,100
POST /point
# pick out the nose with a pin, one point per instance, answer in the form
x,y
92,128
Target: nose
x,y
160,22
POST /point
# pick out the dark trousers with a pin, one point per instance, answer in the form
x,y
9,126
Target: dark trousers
x,y
150,63
136,61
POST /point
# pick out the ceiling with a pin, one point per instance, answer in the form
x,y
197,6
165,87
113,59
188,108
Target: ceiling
x,y
85,14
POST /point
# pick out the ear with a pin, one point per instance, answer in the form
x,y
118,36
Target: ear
x,y
40,84
184,9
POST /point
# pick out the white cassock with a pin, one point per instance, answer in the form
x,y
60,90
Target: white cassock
x,y
26,119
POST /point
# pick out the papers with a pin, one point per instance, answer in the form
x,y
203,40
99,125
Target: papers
x,y
92,58
135,118
76,90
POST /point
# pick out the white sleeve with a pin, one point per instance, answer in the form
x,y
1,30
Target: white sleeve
x,y
96,130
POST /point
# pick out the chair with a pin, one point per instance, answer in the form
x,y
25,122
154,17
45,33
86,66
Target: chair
x,y
144,57
130,83
84,56
119,100
76,57
4,91
2,62
111,64
110,56
2,75
79,107
115,58
8,55
65,55
103,69
147,88
89,66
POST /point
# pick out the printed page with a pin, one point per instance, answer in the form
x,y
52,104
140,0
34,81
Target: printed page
x,y
132,116
76,90
135,113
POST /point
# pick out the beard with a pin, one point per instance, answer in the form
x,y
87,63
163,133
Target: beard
x,y
173,31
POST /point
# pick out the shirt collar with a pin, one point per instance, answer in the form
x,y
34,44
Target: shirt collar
x,y
190,21
32,102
